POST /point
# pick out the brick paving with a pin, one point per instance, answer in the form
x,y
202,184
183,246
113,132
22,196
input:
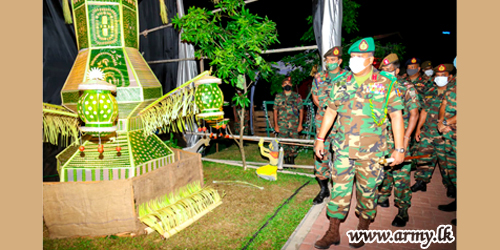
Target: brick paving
x,y
423,213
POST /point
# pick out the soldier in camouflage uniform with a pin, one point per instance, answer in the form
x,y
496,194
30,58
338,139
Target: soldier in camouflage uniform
x,y
362,100
427,71
447,125
431,141
320,92
400,174
288,113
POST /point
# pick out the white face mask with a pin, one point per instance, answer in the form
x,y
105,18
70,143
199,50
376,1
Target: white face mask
x,y
429,72
441,80
357,64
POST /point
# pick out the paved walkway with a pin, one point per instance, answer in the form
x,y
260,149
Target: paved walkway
x,y
423,215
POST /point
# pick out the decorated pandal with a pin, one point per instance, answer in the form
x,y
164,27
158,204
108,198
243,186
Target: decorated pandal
x,y
112,109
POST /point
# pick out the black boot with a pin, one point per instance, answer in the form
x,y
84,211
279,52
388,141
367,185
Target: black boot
x,y
401,218
286,159
419,186
323,193
383,203
449,208
451,192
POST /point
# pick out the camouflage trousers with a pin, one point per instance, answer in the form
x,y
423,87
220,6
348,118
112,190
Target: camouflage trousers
x,y
237,127
450,171
433,145
289,150
399,176
368,174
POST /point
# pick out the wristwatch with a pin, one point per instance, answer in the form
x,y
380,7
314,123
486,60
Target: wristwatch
x,y
445,123
400,150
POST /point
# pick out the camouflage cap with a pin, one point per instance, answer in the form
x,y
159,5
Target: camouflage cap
x,y
426,64
447,67
388,60
363,45
335,51
413,60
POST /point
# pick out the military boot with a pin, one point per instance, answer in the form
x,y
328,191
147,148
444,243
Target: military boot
x,y
401,218
292,160
364,224
419,186
331,237
384,203
323,193
449,208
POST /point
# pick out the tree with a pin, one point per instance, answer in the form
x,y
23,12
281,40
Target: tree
x,y
233,39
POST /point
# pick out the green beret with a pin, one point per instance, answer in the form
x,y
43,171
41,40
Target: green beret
x,y
363,45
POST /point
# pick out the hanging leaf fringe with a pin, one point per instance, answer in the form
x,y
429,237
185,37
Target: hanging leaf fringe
x,y
173,212
58,122
66,12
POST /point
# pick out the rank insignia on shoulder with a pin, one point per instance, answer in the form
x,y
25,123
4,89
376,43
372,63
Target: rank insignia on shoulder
x,y
429,96
374,77
349,77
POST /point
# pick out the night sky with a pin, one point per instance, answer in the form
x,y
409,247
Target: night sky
x,y
420,24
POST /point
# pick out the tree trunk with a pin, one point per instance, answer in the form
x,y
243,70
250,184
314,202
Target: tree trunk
x,y
242,128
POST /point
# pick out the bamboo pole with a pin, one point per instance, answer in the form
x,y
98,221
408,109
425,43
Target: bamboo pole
x,y
290,49
147,31
254,167
257,138
266,163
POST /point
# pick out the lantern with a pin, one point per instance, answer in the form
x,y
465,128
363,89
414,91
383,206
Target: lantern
x,y
97,106
209,99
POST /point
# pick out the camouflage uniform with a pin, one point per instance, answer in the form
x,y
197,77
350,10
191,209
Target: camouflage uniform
x,y
432,141
359,142
288,119
321,88
450,138
421,85
400,174
237,125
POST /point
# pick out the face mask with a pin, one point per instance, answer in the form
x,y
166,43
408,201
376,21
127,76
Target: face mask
x,y
357,64
288,87
455,62
441,80
331,66
411,71
429,72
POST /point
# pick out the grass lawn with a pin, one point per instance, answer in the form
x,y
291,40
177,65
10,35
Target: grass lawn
x,y
245,209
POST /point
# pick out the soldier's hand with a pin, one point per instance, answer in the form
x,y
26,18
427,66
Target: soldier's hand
x,y
319,149
300,128
398,158
417,135
446,130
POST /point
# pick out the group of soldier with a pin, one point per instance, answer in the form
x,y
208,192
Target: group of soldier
x,y
366,115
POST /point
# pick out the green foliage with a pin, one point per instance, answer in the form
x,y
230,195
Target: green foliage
x,y
241,100
233,39
172,142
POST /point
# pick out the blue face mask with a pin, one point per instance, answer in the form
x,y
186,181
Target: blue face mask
x,y
455,62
